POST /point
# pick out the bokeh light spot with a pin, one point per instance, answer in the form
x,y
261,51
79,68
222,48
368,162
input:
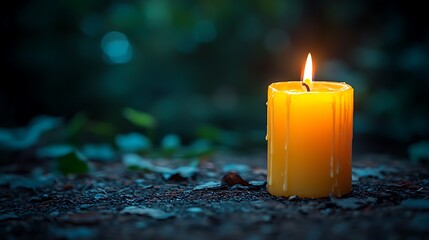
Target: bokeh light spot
x,y
116,47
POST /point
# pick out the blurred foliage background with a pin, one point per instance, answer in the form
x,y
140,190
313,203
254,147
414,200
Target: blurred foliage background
x,y
145,73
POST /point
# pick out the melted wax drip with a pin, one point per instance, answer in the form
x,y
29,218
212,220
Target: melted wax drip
x,y
285,180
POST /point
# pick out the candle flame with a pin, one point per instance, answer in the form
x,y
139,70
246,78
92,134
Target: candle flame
x,y
307,80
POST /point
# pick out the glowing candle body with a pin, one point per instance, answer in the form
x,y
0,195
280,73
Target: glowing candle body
x,y
309,138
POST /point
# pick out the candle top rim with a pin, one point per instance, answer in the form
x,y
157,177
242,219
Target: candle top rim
x,y
294,87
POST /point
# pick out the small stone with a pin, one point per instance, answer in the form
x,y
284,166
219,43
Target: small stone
x,y
139,181
194,210
85,206
100,196
293,198
232,178
42,198
54,214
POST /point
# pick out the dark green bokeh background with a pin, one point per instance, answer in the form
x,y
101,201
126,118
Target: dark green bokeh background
x,y
208,63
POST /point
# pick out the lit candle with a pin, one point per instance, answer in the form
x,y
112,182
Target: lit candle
x,y
309,134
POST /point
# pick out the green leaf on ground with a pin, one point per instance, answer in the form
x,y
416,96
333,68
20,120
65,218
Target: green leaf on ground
x,y
138,118
29,182
135,162
133,142
72,163
170,141
25,137
76,124
100,152
54,151
199,148
154,213
101,128
209,132
170,144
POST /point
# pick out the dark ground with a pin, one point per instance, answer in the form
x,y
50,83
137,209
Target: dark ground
x,y
390,200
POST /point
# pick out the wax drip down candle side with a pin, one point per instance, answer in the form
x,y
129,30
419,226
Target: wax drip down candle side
x,y
309,137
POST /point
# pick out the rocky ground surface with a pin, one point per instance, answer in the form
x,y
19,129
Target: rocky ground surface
x,y
222,197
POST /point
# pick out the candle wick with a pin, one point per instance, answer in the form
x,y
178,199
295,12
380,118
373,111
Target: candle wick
x,y
306,86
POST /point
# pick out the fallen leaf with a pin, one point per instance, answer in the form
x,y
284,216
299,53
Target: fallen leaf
x,y
76,124
54,151
140,183
150,212
184,172
21,138
72,163
194,210
101,152
199,148
138,118
208,185
133,142
258,183
33,182
241,168
170,142
101,128
135,161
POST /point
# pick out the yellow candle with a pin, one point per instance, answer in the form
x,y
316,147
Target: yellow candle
x,y
309,134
